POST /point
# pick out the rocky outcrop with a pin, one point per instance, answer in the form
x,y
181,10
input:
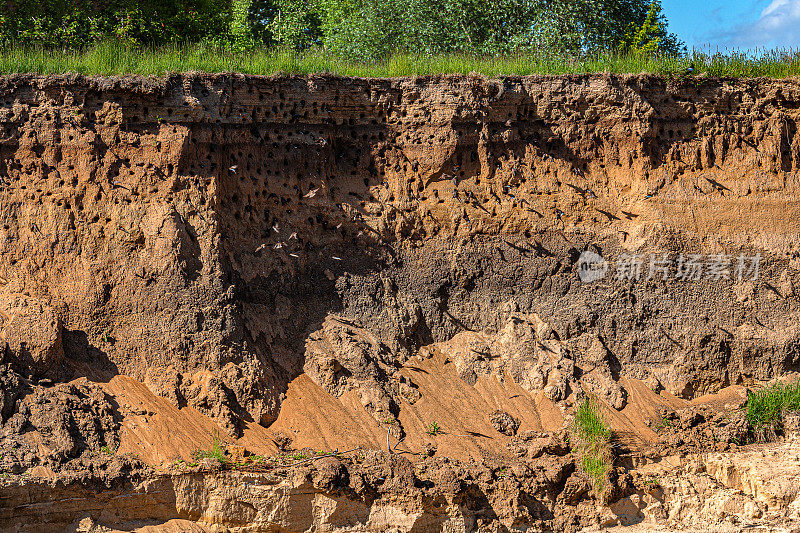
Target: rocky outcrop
x,y
31,334
716,492
53,426
373,492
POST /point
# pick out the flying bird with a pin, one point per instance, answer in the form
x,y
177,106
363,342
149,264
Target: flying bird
x,y
577,189
520,249
717,185
609,216
541,251
311,194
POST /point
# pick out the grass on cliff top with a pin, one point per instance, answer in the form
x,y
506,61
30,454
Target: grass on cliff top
x,y
592,442
766,408
116,59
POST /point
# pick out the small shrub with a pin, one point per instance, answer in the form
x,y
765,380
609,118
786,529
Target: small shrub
x,y
652,483
592,442
217,450
433,429
663,424
765,409
108,450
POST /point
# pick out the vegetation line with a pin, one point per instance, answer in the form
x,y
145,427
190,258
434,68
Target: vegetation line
x,y
332,454
113,58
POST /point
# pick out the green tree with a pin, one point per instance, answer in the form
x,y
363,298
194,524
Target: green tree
x,y
241,28
651,36
295,24
77,23
586,26
376,28
353,28
368,29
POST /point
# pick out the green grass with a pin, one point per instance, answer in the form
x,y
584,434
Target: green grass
x,y
592,441
766,408
216,451
433,429
116,59
108,450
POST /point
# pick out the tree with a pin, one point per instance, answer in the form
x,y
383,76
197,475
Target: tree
x,y
363,29
77,23
369,29
376,28
651,37
242,33
294,24
587,26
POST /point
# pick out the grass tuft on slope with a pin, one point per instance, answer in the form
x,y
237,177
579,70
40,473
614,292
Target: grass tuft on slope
x,y
592,442
766,408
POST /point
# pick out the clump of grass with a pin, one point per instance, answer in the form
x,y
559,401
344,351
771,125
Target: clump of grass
x,y
652,483
108,450
216,451
766,408
663,424
592,441
433,429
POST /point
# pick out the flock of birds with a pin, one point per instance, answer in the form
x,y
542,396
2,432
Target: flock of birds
x,y
468,196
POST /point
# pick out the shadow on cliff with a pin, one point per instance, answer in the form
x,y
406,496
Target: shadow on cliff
x,y
290,214
84,359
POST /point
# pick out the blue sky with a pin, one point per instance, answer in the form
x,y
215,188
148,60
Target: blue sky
x,y
735,23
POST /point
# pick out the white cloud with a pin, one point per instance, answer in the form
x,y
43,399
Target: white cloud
x,y
777,25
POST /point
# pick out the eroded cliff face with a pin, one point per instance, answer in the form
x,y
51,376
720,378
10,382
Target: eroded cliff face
x,y
216,237
213,222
